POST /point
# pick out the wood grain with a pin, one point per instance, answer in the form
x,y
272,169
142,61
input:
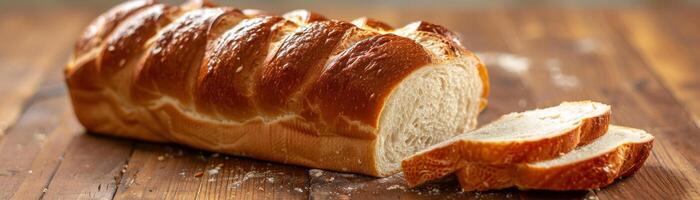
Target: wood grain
x,y
159,171
27,141
612,73
90,169
26,55
670,47
642,62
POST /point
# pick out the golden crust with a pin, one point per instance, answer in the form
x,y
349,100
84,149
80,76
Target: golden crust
x,y
174,59
165,79
101,27
85,73
356,84
445,160
225,82
299,58
592,173
130,37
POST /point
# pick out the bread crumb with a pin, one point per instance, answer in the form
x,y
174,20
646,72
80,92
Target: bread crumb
x,y
199,174
161,158
212,172
298,189
30,171
434,191
393,187
316,172
261,189
349,188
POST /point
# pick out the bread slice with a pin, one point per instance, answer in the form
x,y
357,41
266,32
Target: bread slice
x,y
620,152
525,137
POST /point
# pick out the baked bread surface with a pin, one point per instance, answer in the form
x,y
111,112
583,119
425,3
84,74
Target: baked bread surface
x,y
297,88
523,137
619,152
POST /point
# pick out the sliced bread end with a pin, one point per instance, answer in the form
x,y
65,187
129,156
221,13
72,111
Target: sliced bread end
x,y
449,156
619,153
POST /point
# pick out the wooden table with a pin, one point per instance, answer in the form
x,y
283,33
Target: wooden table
x,y
645,63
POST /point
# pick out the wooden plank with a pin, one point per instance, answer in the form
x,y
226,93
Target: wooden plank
x,y
171,172
577,58
32,148
46,162
602,52
27,140
662,38
20,62
661,111
90,169
667,174
334,185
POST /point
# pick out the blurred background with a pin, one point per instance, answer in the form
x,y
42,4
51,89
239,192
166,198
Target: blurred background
x,y
281,4
340,8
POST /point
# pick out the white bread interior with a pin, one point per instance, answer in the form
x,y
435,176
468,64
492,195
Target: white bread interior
x,y
614,138
620,152
530,136
433,104
537,124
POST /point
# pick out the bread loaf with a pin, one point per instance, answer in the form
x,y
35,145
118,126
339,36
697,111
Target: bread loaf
x,y
524,137
620,152
298,89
